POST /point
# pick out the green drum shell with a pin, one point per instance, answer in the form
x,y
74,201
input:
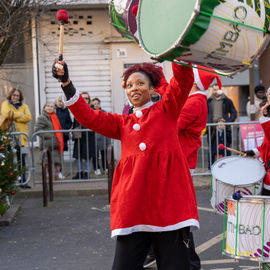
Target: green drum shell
x,y
246,213
117,20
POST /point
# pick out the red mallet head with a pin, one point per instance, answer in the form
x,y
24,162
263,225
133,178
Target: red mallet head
x,y
134,10
221,146
62,15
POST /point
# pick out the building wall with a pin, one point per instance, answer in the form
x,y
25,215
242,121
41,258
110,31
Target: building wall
x,y
265,67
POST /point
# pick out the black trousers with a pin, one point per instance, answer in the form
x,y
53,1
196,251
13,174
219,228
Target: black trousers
x,y
170,250
265,192
194,259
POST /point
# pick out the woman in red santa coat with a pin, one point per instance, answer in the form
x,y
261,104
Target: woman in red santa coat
x,y
153,199
263,151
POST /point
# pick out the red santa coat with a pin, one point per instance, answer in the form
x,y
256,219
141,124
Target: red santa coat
x,y
152,187
264,149
192,120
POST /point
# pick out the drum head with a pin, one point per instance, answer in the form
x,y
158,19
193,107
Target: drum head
x,y
238,171
161,23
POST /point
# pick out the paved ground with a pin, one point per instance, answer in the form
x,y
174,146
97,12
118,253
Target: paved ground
x,y
73,234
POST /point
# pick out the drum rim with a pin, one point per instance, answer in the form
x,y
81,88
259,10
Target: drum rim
x,y
214,178
258,199
179,40
246,185
246,258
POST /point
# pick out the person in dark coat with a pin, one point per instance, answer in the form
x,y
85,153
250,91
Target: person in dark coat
x,y
84,147
220,107
102,143
63,115
220,135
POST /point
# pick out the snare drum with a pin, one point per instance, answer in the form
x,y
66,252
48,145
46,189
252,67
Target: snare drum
x,y
235,174
248,228
206,32
122,18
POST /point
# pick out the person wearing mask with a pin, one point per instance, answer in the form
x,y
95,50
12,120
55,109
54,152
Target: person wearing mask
x,y
48,121
153,200
15,108
84,147
63,115
220,107
102,143
259,101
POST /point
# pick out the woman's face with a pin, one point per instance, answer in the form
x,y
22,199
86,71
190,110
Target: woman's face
x,y
96,104
138,90
268,98
59,103
49,108
15,97
86,98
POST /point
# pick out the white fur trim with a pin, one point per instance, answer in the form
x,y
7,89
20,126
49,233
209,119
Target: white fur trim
x,y
256,151
264,119
193,223
266,186
205,93
197,79
72,100
144,106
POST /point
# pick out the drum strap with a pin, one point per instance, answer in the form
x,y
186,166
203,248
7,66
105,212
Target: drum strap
x,y
236,22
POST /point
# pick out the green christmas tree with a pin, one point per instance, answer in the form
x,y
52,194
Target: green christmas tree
x,y
9,170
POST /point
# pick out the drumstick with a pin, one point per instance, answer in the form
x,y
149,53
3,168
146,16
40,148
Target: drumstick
x,y
62,17
222,146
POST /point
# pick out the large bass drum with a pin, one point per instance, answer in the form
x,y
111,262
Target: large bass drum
x,y
224,35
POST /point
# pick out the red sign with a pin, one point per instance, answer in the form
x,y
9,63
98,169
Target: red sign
x,y
252,135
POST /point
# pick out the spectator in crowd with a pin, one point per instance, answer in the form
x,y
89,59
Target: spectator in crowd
x,y
259,101
48,121
153,199
102,143
220,135
84,147
220,107
63,115
15,108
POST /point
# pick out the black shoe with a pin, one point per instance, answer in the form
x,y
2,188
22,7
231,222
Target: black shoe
x,y
25,186
77,176
86,175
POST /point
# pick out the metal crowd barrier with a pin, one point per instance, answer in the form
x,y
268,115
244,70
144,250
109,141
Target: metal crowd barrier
x,y
205,158
33,162
20,151
67,162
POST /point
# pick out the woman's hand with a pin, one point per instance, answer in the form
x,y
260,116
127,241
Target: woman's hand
x,y
265,109
60,71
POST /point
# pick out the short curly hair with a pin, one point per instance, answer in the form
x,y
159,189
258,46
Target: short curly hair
x,y
153,72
